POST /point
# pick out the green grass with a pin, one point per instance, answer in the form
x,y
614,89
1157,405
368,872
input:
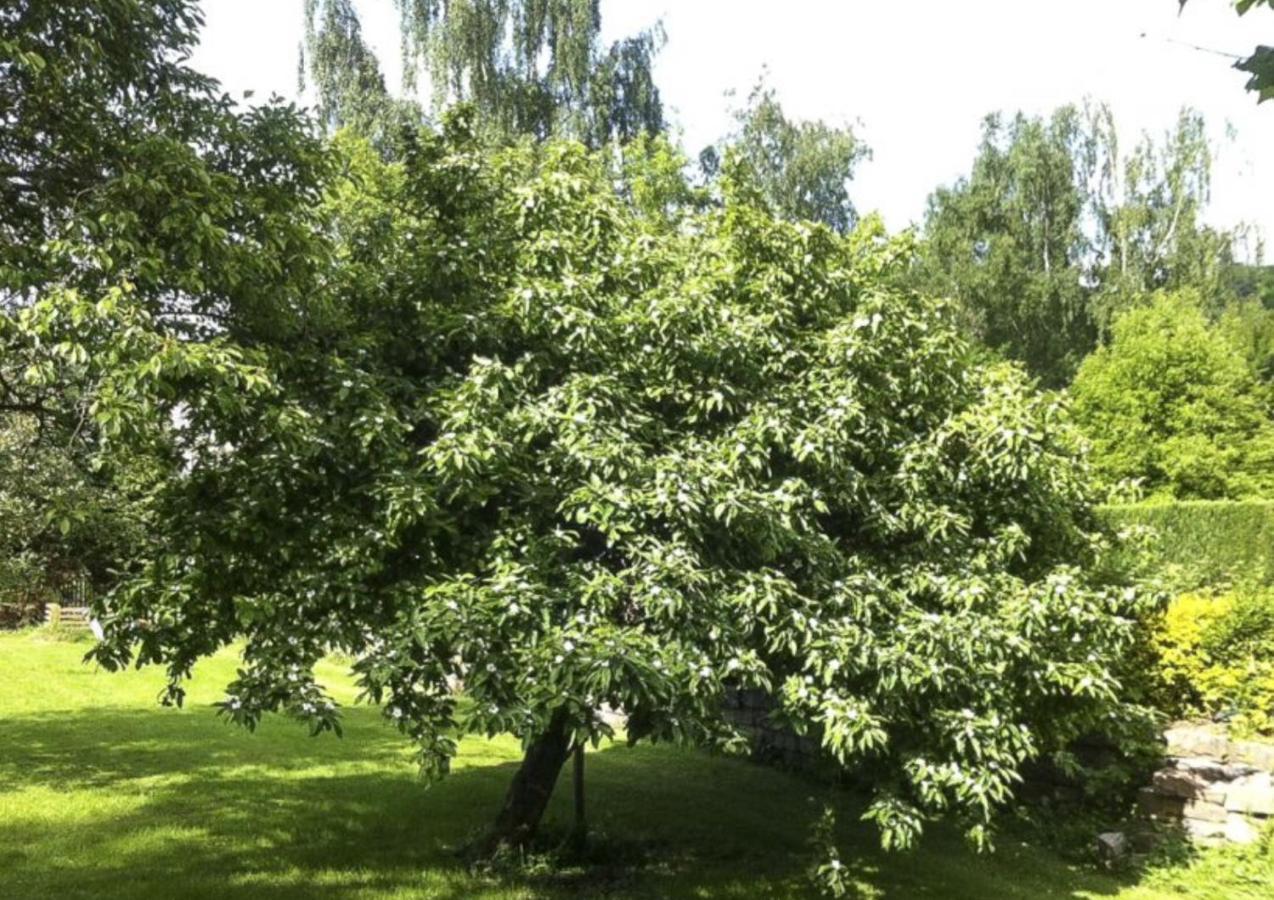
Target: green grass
x,y
104,794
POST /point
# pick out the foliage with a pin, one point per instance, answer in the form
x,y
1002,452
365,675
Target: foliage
x,y
1248,325
802,169
530,67
82,84
58,522
1215,656
1057,231
1148,205
1202,544
1170,402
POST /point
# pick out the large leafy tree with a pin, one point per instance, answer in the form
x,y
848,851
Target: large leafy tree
x,y
802,169
529,67
1173,405
524,437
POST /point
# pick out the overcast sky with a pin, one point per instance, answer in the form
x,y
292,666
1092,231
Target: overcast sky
x,y
915,77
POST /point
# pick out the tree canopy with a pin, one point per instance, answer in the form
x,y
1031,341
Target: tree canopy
x,y
1058,229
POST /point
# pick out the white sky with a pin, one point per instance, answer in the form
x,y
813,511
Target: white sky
x,y
914,76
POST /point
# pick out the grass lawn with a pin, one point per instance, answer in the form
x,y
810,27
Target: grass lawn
x,y
105,794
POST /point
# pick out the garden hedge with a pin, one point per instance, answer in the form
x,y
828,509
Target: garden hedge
x,y
1200,543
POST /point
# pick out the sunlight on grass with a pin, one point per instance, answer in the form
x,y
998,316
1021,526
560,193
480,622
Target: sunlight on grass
x,y
105,794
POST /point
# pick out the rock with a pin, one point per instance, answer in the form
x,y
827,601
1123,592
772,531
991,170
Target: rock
x,y
1204,832
1238,770
1112,846
1252,794
1204,811
1196,740
1153,804
1254,753
1207,769
1238,830
1179,783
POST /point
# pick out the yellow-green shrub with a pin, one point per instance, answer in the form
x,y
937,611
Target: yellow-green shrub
x,y
1215,656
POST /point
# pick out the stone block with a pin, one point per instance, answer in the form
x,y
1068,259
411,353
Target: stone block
x,y
1255,753
1199,830
1253,794
1239,830
1196,740
1204,811
1179,783
1206,768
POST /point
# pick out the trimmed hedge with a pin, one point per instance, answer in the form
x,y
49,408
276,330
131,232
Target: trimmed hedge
x,y
1202,543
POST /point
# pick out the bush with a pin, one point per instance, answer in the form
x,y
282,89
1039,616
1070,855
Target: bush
x,y
1198,544
1171,403
1215,657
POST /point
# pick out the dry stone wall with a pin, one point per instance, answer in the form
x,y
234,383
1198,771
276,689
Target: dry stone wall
x,y
1216,789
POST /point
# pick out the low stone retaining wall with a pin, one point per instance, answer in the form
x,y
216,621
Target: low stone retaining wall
x,y
749,711
1218,790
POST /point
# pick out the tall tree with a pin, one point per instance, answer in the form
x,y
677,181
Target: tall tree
x,y
529,67
801,168
142,212
347,76
1056,232
1148,208
1008,242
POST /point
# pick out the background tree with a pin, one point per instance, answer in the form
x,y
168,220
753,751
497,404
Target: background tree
x,y
529,67
1171,402
1148,209
347,76
1008,243
802,169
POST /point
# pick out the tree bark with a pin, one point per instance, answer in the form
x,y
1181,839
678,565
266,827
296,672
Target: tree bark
x,y
532,786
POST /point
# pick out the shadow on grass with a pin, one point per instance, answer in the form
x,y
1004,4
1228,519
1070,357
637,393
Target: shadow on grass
x,y
152,803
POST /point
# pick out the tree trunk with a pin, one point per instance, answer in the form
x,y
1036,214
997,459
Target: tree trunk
x,y
532,786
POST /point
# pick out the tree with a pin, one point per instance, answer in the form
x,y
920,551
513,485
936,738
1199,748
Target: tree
x,y
1008,243
522,436
1148,208
801,169
145,218
351,88
531,67
1171,403
1056,231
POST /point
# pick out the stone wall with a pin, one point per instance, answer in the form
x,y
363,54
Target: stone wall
x,y
749,710
1217,789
